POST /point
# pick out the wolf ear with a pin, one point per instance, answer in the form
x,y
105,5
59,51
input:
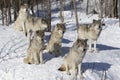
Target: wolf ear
x,y
99,20
58,24
24,6
78,41
43,21
94,20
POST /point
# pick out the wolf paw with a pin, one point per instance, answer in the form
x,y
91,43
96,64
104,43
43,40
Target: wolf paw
x,y
36,62
95,50
90,50
68,73
81,76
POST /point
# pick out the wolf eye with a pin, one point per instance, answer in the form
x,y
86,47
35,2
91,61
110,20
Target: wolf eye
x,y
84,49
99,26
26,10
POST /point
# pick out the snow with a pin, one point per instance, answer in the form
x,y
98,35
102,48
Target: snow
x,y
104,65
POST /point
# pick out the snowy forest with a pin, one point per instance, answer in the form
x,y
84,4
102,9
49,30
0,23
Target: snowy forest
x,y
105,8
83,57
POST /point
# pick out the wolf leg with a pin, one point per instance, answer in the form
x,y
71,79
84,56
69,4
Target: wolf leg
x,y
67,70
24,29
75,71
90,46
95,49
80,71
57,52
30,36
36,58
41,57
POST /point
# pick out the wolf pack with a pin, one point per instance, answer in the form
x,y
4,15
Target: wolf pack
x,y
34,29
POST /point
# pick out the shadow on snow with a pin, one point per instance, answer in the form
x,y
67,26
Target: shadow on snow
x,y
105,47
99,66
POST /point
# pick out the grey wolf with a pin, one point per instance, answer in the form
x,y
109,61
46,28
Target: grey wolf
x,y
55,42
27,23
35,49
90,32
73,59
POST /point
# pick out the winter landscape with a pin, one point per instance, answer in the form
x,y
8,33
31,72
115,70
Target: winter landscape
x,y
104,65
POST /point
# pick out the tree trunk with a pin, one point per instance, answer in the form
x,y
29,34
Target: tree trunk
x,y
101,8
87,7
75,10
49,15
116,8
9,13
106,8
112,8
61,10
119,13
2,9
15,10
43,8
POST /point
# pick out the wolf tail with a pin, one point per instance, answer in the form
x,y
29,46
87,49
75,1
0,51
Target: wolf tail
x,y
26,61
62,68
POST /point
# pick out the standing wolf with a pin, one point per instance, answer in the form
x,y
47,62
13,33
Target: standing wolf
x,y
74,58
35,49
55,42
28,23
90,32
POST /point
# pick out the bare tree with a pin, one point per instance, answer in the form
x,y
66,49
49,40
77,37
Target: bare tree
x,y
87,8
75,9
116,8
49,14
43,7
112,8
106,8
101,8
61,10
119,13
2,9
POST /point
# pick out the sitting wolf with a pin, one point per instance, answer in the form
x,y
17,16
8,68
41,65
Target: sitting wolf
x,y
73,59
27,23
35,49
90,32
54,44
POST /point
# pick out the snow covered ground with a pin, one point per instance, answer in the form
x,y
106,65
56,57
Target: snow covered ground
x,y
104,65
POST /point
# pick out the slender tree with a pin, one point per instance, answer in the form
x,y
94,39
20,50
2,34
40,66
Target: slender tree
x,y
106,8
87,8
75,10
113,8
9,13
116,8
101,8
2,9
61,11
49,14
119,13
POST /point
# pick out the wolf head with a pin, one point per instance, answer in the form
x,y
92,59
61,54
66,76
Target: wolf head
x,y
60,27
96,25
44,23
23,10
80,45
40,35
